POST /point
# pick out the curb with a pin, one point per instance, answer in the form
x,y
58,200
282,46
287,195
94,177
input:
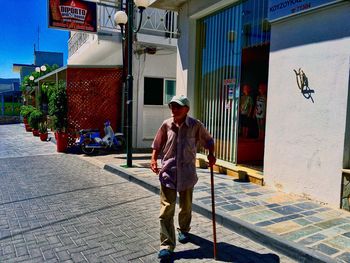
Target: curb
x,y
273,241
121,172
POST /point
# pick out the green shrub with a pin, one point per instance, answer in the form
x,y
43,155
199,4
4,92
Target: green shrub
x,y
43,127
26,110
12,108
35,118
58,106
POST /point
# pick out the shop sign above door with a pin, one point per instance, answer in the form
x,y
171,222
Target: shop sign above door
x,y
279,9
72,15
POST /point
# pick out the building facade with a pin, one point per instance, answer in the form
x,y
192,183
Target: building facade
x,y
10,97
40,58
270,80
154,62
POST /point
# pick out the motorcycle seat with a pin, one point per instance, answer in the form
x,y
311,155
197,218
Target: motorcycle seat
x,y
84,131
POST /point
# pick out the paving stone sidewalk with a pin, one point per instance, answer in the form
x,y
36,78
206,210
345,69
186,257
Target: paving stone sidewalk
x,y
298,227
301,228
14,135
59,208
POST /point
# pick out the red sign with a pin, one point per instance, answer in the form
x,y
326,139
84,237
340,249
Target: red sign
x,y
72,15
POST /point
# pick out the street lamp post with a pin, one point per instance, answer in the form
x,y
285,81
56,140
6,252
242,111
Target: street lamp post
x,y
40,69
29,96
121,18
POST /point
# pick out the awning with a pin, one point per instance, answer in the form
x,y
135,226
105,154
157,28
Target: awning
x,y
172,5
61,73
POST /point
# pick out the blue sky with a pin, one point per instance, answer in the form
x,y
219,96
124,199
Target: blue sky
x,y
20,20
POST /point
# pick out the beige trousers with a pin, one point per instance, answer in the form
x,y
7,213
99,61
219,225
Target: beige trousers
x,y
167,212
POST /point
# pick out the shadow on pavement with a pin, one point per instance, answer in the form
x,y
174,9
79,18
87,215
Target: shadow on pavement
x,y
146,157
225,253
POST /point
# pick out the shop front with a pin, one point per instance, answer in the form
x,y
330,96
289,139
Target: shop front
x,y
274,93
233,59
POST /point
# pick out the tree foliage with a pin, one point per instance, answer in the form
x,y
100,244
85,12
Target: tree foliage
x,y
28,85
58,106
26,110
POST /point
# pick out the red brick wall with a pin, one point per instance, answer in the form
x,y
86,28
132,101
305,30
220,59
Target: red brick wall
x,y
94,95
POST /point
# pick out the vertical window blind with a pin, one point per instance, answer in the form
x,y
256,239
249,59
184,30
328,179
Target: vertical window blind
x,y
221,37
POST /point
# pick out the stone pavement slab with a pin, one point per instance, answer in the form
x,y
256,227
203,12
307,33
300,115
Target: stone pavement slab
x,y
301,228
13,135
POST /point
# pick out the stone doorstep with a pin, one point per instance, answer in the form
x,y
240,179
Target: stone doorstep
x,y
236,171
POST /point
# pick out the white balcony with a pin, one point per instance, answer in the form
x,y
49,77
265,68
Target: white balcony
x,y
158,28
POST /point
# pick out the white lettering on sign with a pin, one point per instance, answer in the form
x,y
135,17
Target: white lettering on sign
x,y
281,8
69,12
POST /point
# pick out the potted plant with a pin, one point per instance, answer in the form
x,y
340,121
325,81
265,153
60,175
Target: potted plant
x,y
34,119
43,131
26,110
58,111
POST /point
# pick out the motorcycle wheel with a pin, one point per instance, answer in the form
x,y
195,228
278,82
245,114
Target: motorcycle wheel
x,y
86,150
121,145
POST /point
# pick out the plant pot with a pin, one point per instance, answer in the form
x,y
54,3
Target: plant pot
x,y
35,132
61,141
25,121
28,128
44,136
242,176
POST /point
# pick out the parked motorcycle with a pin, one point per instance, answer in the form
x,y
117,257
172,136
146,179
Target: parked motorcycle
x,y
90,140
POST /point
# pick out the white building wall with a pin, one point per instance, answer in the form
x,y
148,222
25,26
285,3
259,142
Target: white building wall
x,y
183,55
305,140
149,118
98,51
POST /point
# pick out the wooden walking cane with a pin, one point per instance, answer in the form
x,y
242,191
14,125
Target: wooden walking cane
x,y
213,207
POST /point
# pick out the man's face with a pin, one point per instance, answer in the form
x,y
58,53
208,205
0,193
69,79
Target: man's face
x,y
178,111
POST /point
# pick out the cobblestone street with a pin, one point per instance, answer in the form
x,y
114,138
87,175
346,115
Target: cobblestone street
x,y
60,208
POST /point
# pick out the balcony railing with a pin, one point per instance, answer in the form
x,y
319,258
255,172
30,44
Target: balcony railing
x,y
155,22
76,41
159,22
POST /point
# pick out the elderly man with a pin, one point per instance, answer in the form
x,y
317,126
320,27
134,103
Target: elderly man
x,y
177,141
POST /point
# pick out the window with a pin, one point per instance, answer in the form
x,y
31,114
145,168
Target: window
x,y
170,88
153,91
158,91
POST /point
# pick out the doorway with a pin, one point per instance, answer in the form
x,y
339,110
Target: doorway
x,y
252,106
